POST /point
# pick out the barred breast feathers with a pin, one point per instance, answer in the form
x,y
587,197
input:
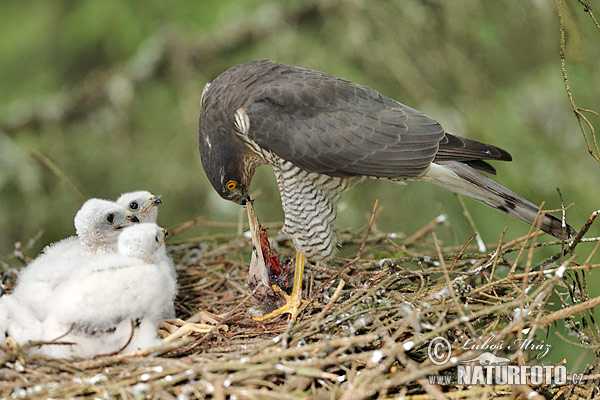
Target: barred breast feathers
x,y
308,201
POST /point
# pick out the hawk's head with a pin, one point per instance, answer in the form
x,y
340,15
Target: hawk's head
x,y
227,161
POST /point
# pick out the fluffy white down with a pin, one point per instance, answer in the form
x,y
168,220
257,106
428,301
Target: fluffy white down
x,y
104,291
143,204
17,320
96,307
146,241
98,224
95,235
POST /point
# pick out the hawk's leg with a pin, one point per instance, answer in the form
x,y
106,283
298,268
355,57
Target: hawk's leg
x,y
294,300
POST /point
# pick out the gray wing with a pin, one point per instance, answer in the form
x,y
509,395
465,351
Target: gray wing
x,y
328,125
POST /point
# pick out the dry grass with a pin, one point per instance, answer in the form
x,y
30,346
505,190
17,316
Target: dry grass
x,y
364,335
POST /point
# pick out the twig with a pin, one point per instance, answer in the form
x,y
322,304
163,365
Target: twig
x,y
348,264
174,230
114,353
575,241
480,244
184,226
588,9
497,254
461,252
431,225
59,174
576,110
332,300
531,233
228,315
459,307
529,393
563,222
538,223
569,311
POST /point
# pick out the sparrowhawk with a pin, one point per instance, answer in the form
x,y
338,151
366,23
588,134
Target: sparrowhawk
x,y
321,134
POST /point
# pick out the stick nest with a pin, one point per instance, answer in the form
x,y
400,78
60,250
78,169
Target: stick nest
x,y
363,334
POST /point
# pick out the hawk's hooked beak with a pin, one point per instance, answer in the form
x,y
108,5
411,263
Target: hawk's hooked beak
x,y
243,200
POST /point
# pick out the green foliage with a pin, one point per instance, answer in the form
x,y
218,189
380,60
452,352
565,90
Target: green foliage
x,y
486,70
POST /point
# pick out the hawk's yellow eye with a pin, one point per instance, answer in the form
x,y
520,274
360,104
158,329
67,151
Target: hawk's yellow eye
x,y
231,185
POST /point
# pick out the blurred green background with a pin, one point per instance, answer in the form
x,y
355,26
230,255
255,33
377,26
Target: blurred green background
x,y
110,91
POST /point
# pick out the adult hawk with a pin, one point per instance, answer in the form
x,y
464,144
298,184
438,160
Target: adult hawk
x,y
321,134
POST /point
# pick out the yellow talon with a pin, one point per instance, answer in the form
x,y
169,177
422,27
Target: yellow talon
x,y
292,301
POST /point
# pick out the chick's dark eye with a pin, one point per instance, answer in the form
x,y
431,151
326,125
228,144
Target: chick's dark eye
x,y
156,238
133,205
110,218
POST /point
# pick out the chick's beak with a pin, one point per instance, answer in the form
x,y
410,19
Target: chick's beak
x,y
132,218
129,219
165,233
155,199
152,202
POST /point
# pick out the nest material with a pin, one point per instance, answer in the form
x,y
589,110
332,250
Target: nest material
x,y
363,334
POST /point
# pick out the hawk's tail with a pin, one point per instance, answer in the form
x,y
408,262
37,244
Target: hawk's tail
x,y
462,179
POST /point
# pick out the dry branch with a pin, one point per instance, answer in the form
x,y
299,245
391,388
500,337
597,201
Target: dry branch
x,y
582,120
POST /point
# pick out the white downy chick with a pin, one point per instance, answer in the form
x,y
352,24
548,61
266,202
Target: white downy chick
x,y
130,244
98,224
136,241
115,302
143,204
